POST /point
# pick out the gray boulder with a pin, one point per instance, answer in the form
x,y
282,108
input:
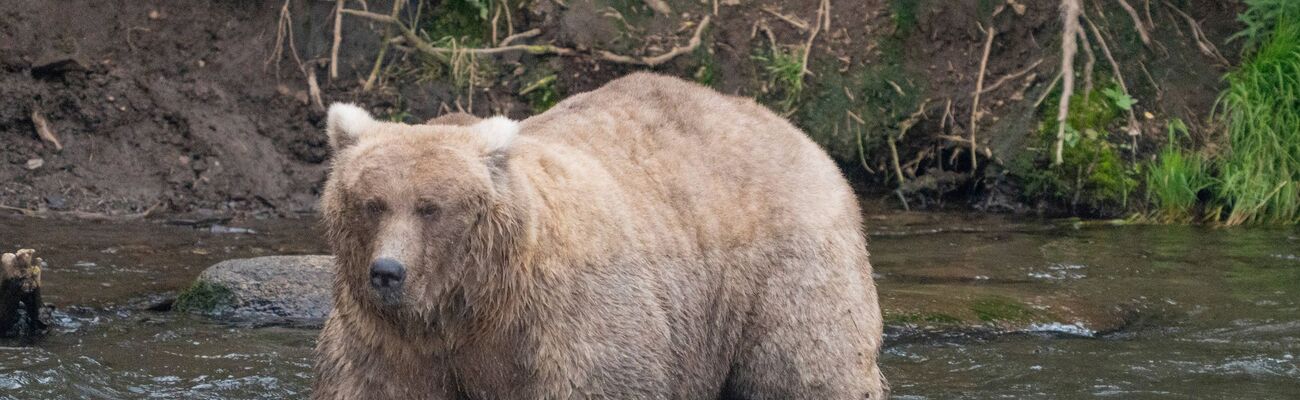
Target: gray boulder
x,y
292,290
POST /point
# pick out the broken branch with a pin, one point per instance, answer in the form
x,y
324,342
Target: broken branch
x,y
44,131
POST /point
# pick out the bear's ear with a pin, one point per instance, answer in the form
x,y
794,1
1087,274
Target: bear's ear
x,y
496,132
346,123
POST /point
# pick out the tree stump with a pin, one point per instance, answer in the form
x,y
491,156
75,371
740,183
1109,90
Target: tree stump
x,y
20,293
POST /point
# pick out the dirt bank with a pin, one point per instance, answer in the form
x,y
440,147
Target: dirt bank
x,y
181,109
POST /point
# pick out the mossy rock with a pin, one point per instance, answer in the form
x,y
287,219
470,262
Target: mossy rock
x,y
204,298
295,290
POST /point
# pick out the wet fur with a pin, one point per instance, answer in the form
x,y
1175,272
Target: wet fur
x,y
650,239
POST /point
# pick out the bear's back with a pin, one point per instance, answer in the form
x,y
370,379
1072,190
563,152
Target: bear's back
x,y
722,170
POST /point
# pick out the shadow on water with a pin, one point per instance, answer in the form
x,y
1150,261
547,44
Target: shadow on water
x,y
976,307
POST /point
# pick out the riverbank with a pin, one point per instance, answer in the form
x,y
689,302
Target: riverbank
x,y
217,108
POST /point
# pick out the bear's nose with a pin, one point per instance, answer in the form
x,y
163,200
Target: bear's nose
x,y
386,273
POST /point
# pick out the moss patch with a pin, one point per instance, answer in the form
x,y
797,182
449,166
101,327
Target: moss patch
x,y
1001,309
204,297
921,318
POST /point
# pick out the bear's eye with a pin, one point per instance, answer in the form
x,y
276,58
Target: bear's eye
x,y
374,207
428,210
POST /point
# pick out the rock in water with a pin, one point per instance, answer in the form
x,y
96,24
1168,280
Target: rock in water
x,y
264,290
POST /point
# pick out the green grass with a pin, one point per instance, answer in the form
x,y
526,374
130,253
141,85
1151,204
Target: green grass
x,y
541,93
1259,177
784,70
1175,180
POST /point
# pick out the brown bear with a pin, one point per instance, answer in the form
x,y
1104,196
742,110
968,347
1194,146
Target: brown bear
x,y
651,239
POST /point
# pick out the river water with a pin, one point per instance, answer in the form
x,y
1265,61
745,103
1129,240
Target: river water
x,y
1150,312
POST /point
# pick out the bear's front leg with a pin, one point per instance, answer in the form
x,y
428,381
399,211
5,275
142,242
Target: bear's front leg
x,y
355,361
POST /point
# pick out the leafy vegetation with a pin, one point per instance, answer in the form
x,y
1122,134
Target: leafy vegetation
x,y
1175,180
541,93
1092,173
1259,178
456,25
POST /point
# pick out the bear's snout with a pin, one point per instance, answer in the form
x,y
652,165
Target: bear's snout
x,y
386,275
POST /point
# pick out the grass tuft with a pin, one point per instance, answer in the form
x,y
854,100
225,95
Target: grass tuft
x,y
1259,178
1175,180
784,70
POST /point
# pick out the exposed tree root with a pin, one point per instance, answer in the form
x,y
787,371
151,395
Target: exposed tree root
x,y
979,88
1119,76
1202,42
1137,23
1070,31
411,38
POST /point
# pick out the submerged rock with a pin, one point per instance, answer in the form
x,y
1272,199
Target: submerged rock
x,y
264,290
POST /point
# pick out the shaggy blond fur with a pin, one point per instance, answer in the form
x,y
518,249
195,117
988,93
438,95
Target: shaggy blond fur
x,y
650,239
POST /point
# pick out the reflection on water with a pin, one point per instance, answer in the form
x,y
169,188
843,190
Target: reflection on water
x,y
1214,313
1210,313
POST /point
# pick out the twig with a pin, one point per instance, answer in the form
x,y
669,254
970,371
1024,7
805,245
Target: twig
x,y
520,35
807,48
662,58
979,88
284,30
413,39
1119,77
537,85
1147,5
1137,22
383,49
1090,62
893,158
1199,37
911,120
903,127
419,44
899,193
793,21
862,153
44,131
1011,76
1050,86
496,16
1069,46
510,22
338,39
314,89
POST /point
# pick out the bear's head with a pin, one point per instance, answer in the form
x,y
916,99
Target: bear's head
x,y
422,218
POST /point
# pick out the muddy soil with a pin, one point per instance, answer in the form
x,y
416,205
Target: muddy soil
x,y
172,108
